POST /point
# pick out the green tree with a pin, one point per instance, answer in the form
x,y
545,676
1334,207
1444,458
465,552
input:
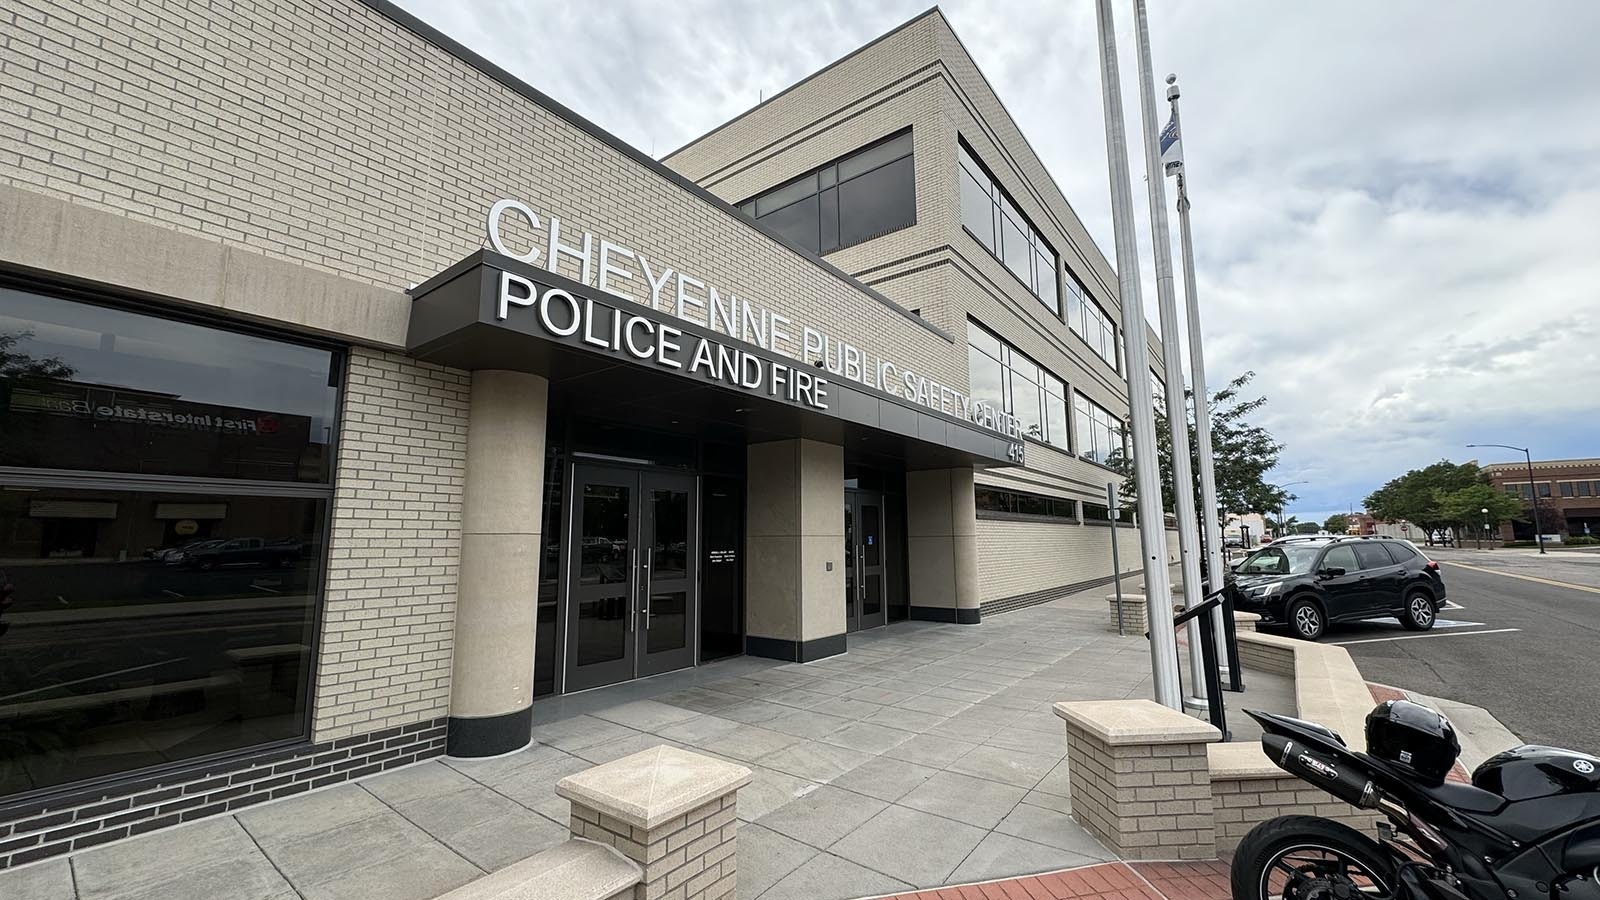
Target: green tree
x,y
1307,528
1415,495
17,365
1242,454
1464,508
1338,523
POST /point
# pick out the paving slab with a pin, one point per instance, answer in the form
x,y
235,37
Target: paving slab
x,y
829,877
885,778
765,857
175,858
916,847
48,880
822,815
975,801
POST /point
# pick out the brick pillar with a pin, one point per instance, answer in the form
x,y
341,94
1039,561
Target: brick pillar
x,y
1140,780
670,811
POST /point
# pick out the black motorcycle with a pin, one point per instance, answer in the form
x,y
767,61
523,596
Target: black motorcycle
x,y
1526,828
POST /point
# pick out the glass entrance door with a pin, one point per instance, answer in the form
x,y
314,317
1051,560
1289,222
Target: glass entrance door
x,y
631,587
863,560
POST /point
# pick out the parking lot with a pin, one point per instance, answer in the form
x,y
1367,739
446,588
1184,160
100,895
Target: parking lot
x,y
1519,639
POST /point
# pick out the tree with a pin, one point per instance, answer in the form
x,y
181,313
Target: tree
x,y
1338,523
17,365
1415,495
1464,508
1242,454
1307,528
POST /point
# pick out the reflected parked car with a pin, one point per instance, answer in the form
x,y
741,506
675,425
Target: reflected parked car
x,y
173,555
235,552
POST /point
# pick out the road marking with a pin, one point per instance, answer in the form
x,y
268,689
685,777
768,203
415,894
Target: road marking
x,y
1551,582
1413,637
1451,604
1453,623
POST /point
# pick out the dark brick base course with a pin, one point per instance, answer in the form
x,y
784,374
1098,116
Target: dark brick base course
x,y
73,820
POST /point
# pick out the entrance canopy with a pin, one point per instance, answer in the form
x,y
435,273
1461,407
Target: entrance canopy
x,y
610,357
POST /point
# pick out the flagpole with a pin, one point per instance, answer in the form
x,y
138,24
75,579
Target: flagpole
x,y
1212,524
1136,362
1172,355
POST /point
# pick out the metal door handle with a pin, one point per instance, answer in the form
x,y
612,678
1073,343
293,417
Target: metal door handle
x,y
633,601
649,555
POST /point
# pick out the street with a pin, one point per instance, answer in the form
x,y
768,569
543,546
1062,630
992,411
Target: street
x,y
1524,649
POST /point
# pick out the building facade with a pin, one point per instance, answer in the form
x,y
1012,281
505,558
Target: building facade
x,y
1568,492
354,394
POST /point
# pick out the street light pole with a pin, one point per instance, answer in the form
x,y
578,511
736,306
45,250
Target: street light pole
x,y
1280,487
1485,512
1533,493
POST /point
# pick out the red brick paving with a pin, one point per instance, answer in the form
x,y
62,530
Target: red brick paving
x,y
1106,881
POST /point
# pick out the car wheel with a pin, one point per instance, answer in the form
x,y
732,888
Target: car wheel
x,y
1419,613
1306,619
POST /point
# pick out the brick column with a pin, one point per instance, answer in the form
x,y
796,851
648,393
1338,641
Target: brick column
x,y
670,811
1140,780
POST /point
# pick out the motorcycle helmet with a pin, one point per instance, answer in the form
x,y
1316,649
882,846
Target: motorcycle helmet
x,y
1413,737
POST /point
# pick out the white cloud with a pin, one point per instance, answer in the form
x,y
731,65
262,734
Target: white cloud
x,y
1395,204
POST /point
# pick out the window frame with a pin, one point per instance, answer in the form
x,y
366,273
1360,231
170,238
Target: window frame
x,y
81,479
821,186
1007,372
1121,429
1079,297
1015,514
1001,205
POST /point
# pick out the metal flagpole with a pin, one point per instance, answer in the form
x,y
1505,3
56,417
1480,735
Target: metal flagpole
x,y
1172,355
1211,526
1136,361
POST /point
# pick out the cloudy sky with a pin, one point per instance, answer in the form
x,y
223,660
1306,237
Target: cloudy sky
x,y
1396,204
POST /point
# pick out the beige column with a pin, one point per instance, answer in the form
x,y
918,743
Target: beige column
x,y
794,550
942,545
491,687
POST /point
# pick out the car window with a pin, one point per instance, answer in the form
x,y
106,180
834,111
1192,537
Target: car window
x,y
1343,557
1372,556
1400,552
1284,560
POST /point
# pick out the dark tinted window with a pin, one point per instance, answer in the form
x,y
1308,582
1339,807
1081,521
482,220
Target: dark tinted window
x,y
866,193
102,389
1400,552
151,627
988,213
1024,503
1372,556
1343,557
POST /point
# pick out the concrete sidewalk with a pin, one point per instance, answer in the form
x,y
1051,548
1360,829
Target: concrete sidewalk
x,y
927,755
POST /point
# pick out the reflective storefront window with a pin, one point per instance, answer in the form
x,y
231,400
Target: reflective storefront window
x,y
164,494
108,390
1003,376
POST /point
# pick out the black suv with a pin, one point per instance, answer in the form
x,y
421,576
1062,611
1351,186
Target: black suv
x,y
1308,583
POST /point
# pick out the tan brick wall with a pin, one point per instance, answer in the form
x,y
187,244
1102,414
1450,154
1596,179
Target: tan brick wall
x,y
1266,658
395,546
346,143
1144,801
686,858
1242,804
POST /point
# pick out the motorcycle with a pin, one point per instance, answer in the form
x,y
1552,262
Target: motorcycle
x,y
1527,827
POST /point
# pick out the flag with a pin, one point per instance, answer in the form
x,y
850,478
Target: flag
x,y
1171,147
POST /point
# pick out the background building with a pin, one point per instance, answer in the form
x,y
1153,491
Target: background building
x,y
1568,492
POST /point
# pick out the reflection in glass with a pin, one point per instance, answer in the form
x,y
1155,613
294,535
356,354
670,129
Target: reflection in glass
x,y
102,389
602,630
150,628
669,548
876,203
603,543
669,622
849,561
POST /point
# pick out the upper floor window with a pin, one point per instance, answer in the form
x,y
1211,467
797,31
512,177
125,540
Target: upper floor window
x,y
1100,434
1002,376
852,199
1091,323
989,215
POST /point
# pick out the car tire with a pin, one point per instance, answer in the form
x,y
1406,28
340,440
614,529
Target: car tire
x,y
1306,619
1419,613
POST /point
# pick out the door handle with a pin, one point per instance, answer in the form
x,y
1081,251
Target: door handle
x,y
633,601
649,554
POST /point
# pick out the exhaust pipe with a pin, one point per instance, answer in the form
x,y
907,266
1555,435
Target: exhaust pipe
x,y
1335,776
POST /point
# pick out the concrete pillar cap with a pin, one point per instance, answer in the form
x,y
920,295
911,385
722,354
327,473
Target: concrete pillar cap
x,y
1136,722
653,786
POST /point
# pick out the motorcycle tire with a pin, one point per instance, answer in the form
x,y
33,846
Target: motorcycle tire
x,y
1270,842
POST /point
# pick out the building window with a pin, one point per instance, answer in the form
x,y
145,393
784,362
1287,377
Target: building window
x,y
1005,378
1583,489
855,198
1568,489
988,214
163,522
1023,503
1088,321
1544,489
1100,434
